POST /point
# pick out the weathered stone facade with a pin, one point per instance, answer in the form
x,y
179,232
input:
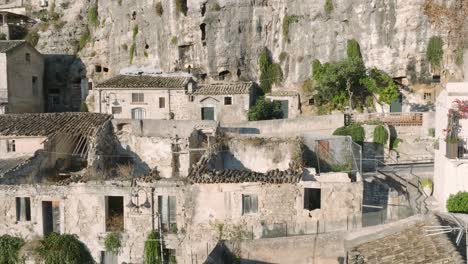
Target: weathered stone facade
x,y
21,77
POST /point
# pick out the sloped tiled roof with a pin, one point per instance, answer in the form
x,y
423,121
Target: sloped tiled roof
x,y
49,124
144,82
224,88
411,245
8,45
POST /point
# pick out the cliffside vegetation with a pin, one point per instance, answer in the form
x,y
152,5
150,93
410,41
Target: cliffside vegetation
x,y
458,203
380,135
328,7
270,73
93,16
181,6
349,83
434,51
287,21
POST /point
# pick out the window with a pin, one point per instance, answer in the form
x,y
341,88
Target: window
x,y
138,113
311,101
116,110
138,97
11,145
23,209
97,68
106,69
249,204
436,78
34,84
28,57
162,102
90,86
50,217
191,98
207,113
167,210
312,197
427,96
114,213
227,100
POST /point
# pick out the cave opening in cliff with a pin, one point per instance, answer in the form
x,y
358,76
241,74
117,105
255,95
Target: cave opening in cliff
x,y
224,75
239,73
203,33
134,14
203,9
97,68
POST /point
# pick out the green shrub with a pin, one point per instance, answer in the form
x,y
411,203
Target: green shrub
x,y
434,51
112,242
427,183
9,249
265,110
181,6
431,132
152,254
159,9
270,73
135,32
458,203
65,248
32,38
355,130
93,15
328,7
83,107
287,21
380,135
3,36
394,142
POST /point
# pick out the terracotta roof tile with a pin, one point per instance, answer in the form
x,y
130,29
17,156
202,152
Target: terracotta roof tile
x,y
283,93
224,88
8,45
144,82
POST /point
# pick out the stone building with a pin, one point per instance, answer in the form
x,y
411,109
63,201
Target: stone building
x,y
21,78
450,161
144,97
168,97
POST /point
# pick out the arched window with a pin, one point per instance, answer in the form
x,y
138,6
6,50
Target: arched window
x,y
138,113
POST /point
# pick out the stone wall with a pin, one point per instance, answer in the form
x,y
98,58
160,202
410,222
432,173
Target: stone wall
x,y
22,98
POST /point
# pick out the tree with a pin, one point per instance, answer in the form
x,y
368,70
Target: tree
x,y
270,73
152,249
265,110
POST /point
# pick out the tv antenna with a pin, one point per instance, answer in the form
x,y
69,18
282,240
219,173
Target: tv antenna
x,y
445,229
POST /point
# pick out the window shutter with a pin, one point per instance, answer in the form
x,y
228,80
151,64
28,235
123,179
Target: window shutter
x,y
254,204
172,209
164,210
18,209
306,199
27,202
246,204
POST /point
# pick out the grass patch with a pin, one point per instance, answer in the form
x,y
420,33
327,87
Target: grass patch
x,y
459,57
84,39
328,6
93,15
131,52
174,40
434,52
135,32
32,38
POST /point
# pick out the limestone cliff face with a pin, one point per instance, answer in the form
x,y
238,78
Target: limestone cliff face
x,y
222,38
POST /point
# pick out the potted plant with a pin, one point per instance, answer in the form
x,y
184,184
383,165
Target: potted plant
x,y
427,187
452,146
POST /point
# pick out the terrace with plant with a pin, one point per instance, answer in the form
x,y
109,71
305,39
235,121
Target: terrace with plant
x,y
458,111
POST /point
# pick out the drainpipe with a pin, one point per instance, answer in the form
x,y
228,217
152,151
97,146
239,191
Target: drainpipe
x,y
100,106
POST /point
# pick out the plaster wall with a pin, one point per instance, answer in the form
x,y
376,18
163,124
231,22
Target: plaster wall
x,y
449,174
258,154
318,124
23,145
21,97
3,77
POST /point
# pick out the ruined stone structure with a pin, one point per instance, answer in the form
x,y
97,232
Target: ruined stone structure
x,y
21,78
